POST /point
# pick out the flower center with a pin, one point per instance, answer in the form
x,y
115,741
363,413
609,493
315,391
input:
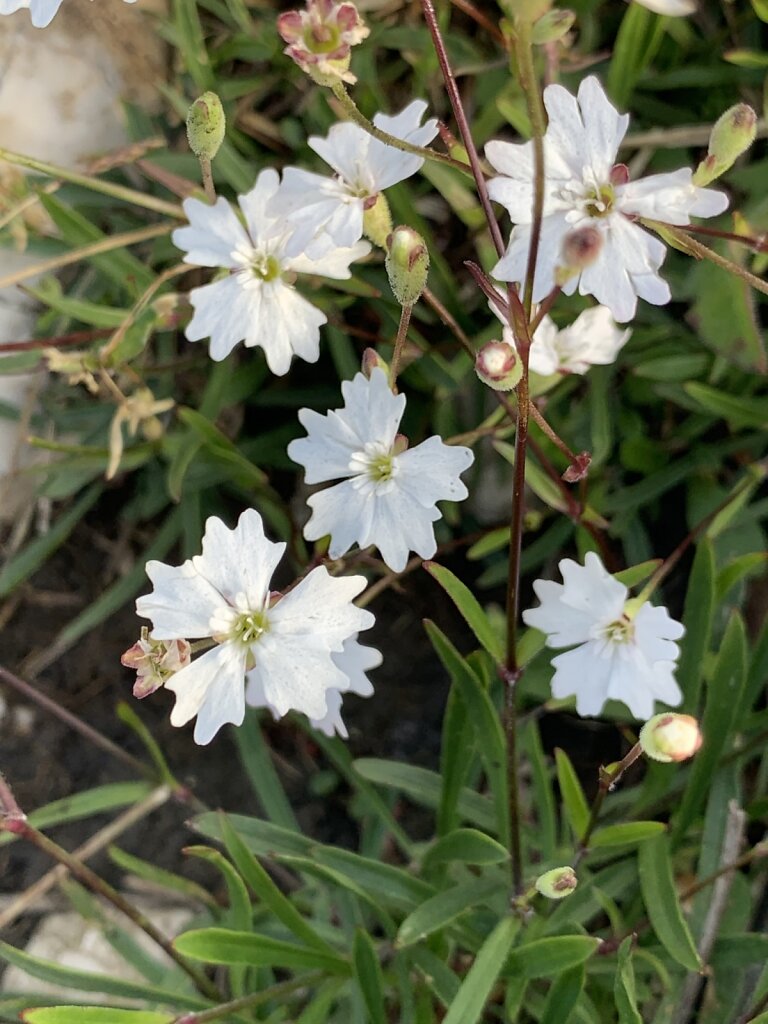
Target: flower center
x,y
622,631
374,467
598,202
247,627
320,37
265,267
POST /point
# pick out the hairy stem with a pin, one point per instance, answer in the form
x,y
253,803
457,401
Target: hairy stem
x,y
608,779
402,332
265,995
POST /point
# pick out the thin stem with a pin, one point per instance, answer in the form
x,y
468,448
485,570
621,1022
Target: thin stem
x,y
698,249
555,438
106,244
106,188
759,243
544,307
608,779
402,331
448,319
352,111
91,734
138,306
207,178
96,884
77,338
265,995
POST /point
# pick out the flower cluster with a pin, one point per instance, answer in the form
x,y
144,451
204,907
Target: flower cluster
x,y
320,39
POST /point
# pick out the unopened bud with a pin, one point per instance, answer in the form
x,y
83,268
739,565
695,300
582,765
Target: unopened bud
x,y
407,263
557,883
580,249
498,365
372,361
320,39
377,220
732,134
553,26
206,125
669,737
155,661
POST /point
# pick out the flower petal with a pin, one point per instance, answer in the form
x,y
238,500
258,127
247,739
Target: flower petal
x,y
211,687
239,561
212,235
181,604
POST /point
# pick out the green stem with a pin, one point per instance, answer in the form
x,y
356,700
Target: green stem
x,y
353,112
106,188
608,779
402,331
273,992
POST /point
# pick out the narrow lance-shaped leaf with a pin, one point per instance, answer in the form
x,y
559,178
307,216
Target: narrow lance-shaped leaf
x,y
661,901
470,608
574,801
369,977
470,1001
624,986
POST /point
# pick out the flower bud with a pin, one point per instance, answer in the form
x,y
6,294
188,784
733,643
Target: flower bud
x,y
377,220
371,361
407,263
580,249
552,26
497,364
732,134
557,883
205,125
669,737
320,39
155,661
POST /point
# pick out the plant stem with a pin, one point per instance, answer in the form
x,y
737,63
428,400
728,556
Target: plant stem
x,y
17,824
107,188
351,109
207,179
608,779
266,995
402,331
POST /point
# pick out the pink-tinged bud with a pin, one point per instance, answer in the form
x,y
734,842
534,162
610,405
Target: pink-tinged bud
x,y
498,365
320,39
578,469
669,737
580,249
372,361
732,134
557,883
619,174
155,661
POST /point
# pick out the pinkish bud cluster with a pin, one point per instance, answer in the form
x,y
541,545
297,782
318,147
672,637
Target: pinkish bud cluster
x,y
497,364
155,661
320,39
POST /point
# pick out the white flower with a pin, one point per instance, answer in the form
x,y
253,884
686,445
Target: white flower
x,y
387,495
42,12
288,644
623,653
584,186
672,8
255,303
354,661
329,211
593,339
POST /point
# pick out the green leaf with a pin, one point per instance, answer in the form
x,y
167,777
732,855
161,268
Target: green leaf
x,y
388,884
543,797
367,970
470,1001
740,567
490,740
220,445
82,805
22,565
94,1015
49,292
662,903
444,908
457,754
265,889
725,317
563,996
637,573
91,981
739,410
424,788
221,946
261,837
574,801
470,608
697,618
628,832
466,845
624,986
637,42
161,878
723,702
438,976
545,957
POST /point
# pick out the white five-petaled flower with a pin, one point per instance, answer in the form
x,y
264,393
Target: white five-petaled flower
x,y
388,494
593,339
355,661
623,653
42,12
584,186
289,645
256,303
329,211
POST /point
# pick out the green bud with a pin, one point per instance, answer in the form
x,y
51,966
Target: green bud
x,y
732,134
377,220
670,737
407,264
552,26
557,883
205,125
498,365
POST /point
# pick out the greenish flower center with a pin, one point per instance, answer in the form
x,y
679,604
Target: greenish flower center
x,y
620,632
599,203
322,38
266,268
248,627
380,468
